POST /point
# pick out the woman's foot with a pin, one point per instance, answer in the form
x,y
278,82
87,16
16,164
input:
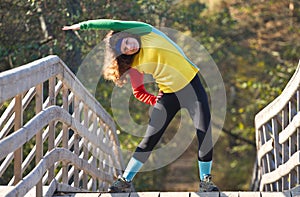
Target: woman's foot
x,y
206,185
120,185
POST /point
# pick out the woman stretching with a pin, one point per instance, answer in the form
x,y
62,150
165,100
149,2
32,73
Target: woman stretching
x,y
136,48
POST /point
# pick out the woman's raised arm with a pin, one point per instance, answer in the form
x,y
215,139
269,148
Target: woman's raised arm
x,y
134,27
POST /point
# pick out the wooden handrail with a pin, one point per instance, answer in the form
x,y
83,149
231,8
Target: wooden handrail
x,y
278,139
87,122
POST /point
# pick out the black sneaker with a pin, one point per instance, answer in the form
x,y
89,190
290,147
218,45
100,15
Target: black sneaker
x,y
120,185
206,185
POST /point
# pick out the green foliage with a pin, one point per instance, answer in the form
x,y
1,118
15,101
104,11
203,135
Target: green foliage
x,y
255,45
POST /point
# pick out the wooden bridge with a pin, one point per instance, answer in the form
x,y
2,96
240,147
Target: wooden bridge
x,y
60,141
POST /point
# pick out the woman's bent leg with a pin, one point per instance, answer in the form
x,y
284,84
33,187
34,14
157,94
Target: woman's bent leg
x,y
162,114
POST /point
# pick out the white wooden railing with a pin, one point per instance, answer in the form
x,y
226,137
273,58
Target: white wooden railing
x,y
53,132
278,139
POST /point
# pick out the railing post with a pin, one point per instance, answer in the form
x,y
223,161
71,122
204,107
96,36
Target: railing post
x,y
65,137
51,137
277,160
94,180
85,150
101,183
298,135
76,140
267,161
285,151
39,138
18,153
115,146
292,143
94,161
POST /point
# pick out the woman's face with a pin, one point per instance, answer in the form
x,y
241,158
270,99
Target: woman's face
x,y
129,46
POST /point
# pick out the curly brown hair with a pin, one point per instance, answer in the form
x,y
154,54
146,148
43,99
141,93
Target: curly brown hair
x,y
116,65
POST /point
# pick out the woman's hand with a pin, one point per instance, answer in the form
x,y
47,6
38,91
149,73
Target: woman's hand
x,y
159,95
72,27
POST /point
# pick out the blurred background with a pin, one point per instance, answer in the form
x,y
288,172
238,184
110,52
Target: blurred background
x,y
255,44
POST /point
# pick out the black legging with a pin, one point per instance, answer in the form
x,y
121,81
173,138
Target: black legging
x,y
192,97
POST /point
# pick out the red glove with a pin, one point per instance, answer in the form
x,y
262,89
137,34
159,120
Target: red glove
x,y
159,96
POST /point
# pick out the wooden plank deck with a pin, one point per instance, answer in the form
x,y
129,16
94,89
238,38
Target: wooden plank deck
x,y
187,194
293,193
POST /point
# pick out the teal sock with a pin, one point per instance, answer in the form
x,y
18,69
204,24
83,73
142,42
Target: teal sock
x,y
132,168
204,168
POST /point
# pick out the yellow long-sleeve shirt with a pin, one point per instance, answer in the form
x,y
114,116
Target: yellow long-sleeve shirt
x,y
160,58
